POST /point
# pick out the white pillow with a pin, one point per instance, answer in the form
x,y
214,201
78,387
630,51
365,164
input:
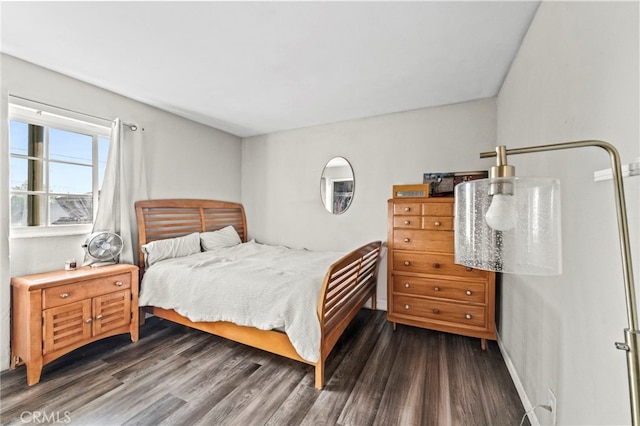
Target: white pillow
x,y
156,251
225,237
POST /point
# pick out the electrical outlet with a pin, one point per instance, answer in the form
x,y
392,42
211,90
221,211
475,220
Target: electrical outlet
x,y
553,403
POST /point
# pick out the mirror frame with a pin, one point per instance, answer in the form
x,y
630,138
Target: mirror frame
x,y
328,187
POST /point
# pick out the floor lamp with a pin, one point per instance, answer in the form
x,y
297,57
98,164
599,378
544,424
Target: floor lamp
x,y
510,224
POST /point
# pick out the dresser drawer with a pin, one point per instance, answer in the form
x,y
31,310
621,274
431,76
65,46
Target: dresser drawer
x,y
424,209
473,292
63,294
407,209
437,209
433,223
452,312
437,223
423,240
433,263
407,222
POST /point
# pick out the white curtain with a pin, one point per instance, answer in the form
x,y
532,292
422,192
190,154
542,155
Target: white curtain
x,y
125,181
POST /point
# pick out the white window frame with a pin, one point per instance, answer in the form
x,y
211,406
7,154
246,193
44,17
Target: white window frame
x,y
48,117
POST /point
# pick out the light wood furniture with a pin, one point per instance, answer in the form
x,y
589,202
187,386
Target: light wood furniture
x,y
425,288
348,283
56,312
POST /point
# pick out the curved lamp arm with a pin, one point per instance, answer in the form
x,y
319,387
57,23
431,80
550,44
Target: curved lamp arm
x,y
632,335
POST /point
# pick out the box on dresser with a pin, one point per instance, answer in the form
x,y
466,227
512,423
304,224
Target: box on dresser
x,y
425,288
56,312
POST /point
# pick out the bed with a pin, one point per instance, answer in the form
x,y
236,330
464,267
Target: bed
x,y
348,283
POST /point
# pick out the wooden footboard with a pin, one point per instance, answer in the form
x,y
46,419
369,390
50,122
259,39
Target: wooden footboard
x,y
348,284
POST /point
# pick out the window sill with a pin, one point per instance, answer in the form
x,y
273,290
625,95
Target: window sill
x,y
44,232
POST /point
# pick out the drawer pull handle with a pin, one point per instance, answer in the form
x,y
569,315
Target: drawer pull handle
x,y
436,265
64,295
469,269
406,307
468,316
407,263
99,317
406,240
437,223
469,293
407,209
436,311
407,222
88,320
436,289
119,283
406,285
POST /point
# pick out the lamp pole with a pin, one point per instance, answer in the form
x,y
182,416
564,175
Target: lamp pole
x,y
631,344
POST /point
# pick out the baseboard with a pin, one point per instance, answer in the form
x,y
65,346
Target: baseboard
x,y
528,408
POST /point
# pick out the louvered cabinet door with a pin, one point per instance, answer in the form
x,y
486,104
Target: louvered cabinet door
x,y
111,311
66,325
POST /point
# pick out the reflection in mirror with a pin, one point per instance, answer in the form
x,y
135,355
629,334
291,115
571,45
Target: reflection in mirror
x,y
337,185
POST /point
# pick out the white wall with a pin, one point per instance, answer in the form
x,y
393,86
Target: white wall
x,y
5,273
281,172
184,159
575,77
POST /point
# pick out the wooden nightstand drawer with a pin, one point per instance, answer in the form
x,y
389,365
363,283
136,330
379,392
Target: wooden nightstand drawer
x,y
69,293
423,240
442,311
471,292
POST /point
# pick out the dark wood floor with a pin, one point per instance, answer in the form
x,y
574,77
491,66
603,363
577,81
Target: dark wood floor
x,y
177,376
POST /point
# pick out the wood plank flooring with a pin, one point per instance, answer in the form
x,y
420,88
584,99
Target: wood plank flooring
x,y
177,376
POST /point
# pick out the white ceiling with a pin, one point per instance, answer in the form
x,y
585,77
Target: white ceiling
x,y
258,67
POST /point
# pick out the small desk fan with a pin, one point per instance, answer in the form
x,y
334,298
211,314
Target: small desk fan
x,y
103,248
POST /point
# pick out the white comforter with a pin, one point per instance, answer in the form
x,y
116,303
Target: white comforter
x,y
257,285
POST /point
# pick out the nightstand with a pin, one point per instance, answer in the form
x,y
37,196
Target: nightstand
x,y
56,312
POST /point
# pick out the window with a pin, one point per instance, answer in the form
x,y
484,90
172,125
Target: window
x,y
57,164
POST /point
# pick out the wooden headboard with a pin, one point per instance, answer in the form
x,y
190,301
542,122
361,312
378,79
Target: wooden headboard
x,y
161,219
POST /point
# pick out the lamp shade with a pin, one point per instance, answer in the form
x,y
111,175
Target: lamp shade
x,y
509,225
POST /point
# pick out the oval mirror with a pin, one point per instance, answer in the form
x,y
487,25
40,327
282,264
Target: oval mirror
x,y
337,185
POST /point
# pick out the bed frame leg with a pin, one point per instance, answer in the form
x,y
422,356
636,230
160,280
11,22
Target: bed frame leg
x,y
374,302
320,375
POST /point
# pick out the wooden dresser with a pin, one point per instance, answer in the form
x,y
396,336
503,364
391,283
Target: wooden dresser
x,y
56,312
424,287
